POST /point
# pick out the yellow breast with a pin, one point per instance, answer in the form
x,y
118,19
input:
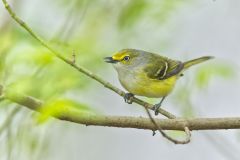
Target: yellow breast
x,y
141,85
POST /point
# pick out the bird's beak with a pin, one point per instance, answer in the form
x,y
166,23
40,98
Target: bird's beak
x,y
110,60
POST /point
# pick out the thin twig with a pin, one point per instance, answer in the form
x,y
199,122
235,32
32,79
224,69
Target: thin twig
x,y
159,128
73,57
79,68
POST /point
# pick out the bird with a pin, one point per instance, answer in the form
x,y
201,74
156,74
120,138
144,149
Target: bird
x,y
149,74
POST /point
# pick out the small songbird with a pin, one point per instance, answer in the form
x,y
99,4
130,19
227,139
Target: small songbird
x,y
148,74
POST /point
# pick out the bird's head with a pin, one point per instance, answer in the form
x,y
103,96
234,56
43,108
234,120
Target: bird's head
x,y
125,59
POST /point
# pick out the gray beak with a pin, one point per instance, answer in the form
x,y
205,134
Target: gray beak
x,y
110,60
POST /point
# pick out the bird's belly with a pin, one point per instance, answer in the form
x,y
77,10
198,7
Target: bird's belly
x,y
147,87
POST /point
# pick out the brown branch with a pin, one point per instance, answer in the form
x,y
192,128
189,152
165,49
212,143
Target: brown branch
x,y
79,68
120,121
131,122
159,128
93,76
100,80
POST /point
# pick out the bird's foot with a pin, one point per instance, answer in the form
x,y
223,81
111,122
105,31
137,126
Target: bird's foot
x,y
154,132
128,98
155,108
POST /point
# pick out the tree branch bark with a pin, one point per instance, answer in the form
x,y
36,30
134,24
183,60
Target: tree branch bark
x,y
172,123
80,68
99,79
131,122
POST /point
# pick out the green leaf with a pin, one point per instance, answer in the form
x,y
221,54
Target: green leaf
x,y
206,73
59,107
43,58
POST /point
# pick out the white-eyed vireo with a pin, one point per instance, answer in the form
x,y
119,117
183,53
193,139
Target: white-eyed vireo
x,y
147,74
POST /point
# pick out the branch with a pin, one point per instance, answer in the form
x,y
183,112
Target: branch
x,y
159,128
99,79
120,121
79,68
131,122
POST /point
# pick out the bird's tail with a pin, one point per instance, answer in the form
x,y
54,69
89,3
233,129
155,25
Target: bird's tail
x,y
196,61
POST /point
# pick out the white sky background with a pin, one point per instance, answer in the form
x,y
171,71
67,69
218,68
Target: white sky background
x,y
206,27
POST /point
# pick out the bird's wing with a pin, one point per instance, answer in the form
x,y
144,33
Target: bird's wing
x,y
162,68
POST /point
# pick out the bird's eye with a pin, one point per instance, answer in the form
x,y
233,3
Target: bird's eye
x,y
126,58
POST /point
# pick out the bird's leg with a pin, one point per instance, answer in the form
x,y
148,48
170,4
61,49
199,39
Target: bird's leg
x,y
157,106
154,132
128,98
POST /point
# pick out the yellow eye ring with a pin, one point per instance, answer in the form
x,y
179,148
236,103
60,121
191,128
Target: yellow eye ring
x,y
126,58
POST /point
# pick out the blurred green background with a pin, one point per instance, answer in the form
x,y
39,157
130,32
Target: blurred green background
x,y
93,29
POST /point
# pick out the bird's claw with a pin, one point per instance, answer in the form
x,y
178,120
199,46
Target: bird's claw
x,y
155,108
154,132
128,98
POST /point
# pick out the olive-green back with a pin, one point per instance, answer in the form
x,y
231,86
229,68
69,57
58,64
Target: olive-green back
x,y
163,67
